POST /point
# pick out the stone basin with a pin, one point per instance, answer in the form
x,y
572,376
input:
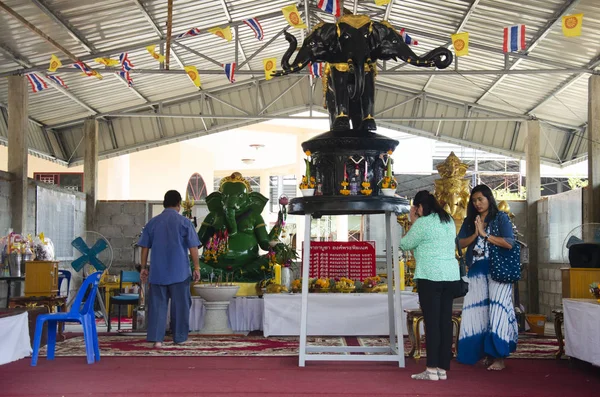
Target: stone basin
x,y
216,293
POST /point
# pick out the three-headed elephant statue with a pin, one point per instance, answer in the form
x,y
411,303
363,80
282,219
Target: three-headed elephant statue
x,y
350,48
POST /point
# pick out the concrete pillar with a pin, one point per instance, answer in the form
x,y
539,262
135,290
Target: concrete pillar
x,y
90,171
532,156
593,131
17,150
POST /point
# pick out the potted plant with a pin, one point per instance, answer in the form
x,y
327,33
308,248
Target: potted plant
x,y
285,255
308,184
388,183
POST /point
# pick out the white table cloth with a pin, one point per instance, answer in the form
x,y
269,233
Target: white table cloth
x,y
245,314
14,338
581,320
333,314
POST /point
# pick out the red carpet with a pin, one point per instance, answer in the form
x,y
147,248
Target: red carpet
x,y
281,376
236,345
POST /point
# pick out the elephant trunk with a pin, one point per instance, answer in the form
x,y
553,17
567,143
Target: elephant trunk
x,y
230,220
359,79
285,60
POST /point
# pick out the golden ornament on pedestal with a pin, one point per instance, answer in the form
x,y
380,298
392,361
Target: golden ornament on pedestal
x,y
453,189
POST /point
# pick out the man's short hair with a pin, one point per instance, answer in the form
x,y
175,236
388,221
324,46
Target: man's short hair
x,y
172,199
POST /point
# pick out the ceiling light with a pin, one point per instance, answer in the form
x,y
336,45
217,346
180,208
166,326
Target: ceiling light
x,y
257,145
248,161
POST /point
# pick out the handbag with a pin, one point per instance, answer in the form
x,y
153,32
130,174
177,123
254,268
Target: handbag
x,y
463,285
505,266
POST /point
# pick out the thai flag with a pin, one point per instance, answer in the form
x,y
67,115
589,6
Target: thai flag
x,y
81,66
316,69
407,39
57,80
125,62
514,38
330,6
124,74
230,71
36,82
190,33
256,28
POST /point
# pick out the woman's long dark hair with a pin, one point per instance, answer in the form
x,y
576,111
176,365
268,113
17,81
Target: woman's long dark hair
x,y
431,205
472,211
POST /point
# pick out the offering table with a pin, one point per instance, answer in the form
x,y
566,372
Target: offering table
x,y
317,206
582,339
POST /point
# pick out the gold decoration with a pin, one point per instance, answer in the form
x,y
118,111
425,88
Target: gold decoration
x,y
236,177
187,205
356,21
453,189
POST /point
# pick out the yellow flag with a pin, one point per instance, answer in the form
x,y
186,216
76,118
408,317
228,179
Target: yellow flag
x,y
192,73
107,61
155,55
293,17
269,64
222,33
571,25
460,41
382,3
96,74
55,63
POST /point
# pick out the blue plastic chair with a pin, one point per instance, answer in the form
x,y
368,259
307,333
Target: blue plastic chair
x,y
81,312
64,275
124,299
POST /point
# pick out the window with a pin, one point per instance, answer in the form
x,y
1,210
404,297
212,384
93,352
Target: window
x,y
196,188
279,185
68,180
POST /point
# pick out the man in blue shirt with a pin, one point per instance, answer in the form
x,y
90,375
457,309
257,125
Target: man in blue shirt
x,y
170,236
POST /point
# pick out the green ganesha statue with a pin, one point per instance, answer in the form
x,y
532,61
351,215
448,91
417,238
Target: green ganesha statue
x,y
234,229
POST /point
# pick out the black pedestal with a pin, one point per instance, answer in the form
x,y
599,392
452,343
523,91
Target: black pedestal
x,y
347,205
334,152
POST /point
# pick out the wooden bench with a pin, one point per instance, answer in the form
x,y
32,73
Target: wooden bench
x,y
414,318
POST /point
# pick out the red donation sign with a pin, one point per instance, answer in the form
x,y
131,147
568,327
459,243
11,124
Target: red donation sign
x,y
335,259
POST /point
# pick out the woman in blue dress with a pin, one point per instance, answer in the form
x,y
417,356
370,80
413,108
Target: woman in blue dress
x,y
488,327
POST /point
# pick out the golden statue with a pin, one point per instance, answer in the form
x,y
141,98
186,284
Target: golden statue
x,y
453,189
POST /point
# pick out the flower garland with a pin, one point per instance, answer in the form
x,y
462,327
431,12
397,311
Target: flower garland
x,y
388,181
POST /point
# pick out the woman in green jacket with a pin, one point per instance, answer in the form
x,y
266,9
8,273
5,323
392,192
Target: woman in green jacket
x,y
432,239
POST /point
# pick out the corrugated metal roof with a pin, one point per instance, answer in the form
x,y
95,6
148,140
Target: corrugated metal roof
x,y
112,26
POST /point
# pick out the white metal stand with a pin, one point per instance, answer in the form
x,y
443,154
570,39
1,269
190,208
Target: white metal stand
x,y
396,348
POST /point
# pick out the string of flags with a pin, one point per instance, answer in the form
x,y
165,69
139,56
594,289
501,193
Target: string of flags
x,y
513,41
514,36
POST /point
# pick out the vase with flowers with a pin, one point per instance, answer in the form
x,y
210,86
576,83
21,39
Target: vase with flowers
x,y
388,183
308,184
285,255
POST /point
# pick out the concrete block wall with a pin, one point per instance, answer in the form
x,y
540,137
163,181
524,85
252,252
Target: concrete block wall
x,y
121,222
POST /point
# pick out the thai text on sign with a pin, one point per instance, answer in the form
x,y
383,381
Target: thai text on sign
x,y
335,259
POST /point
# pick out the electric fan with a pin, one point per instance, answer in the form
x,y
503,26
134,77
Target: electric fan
x,y
581,247
96,253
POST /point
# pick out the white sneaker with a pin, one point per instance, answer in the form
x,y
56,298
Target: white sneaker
x,y
426,375
442,375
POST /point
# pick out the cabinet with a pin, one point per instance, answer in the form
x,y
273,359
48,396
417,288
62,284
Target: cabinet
x,y
576,281
41,278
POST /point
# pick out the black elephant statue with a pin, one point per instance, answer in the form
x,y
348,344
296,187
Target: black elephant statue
x,y
350,48
390,45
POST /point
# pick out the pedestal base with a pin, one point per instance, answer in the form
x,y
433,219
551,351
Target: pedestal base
x,y
215,319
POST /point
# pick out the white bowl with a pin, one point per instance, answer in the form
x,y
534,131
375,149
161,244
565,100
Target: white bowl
x,y
388,192
214,293
308,192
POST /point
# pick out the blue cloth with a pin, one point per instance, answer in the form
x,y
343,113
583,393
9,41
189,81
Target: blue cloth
x,y
158,301
169,235
504,225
